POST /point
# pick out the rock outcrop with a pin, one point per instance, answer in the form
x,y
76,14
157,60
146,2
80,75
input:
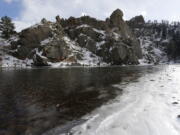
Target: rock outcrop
x,y
159,41
83,41
40,61
136,22
110,39
56,51
30,39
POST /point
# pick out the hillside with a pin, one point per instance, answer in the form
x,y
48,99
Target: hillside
x,y
78,41
160,42
86,41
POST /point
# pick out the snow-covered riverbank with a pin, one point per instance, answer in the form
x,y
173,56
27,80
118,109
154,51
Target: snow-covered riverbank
x,y
147,107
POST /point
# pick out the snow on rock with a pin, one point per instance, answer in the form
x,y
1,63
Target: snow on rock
x,y
46,41
99,31
4,42
117,36
79,49
90,59
83,26
99,44
145,108
10,61
87,57
71,44
6,60
152,54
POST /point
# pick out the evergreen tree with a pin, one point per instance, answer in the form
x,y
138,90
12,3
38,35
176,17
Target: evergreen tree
x,y
6,27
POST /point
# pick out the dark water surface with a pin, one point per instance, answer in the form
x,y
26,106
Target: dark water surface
x,y
35,101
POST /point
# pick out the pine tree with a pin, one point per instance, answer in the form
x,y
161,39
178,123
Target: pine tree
x,y
6,27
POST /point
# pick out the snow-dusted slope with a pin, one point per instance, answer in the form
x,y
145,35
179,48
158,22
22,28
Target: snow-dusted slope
x,y
10,61
83,41
147,107
88,58
159,41
7,60
152,54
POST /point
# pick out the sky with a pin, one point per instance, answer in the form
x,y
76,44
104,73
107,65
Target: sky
x,y
28,12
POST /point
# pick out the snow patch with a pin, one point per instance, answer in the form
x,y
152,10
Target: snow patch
x,y
99,31
152,54
12,62
99,44
46,41
83,26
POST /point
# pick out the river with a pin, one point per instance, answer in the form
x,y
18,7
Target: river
x,y
87,101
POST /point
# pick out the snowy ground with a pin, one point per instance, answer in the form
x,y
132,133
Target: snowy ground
x,y
8,61
147,107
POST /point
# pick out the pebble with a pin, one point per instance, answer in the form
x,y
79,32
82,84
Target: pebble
x,y
175,103
58,105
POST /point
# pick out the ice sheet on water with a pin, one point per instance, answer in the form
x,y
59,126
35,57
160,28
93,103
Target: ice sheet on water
x,y
145,108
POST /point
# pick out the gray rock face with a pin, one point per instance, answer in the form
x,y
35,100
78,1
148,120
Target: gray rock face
x,y
137,21
113,36
32,37
86,37
110,40
56,51
116,18
119,54
154,38
116,21
74,22
23,52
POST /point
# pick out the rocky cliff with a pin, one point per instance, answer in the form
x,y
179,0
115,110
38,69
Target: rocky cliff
x,y
78,41
160,41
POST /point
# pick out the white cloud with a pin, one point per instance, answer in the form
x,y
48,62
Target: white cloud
x,y
84,14
8,1
20,25
34,10
144,13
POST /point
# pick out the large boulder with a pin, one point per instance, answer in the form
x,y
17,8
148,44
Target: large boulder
x,y
136,22
57,50
40,60
31,37
119,54
23,52
116,18
123,55
116,21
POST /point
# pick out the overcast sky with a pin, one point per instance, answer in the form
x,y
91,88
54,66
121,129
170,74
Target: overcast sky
x,y
27,12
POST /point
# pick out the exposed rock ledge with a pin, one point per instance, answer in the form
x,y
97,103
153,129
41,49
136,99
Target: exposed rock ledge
x,y
78,41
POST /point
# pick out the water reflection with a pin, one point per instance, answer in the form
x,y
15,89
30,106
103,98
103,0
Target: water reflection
x,y
35,101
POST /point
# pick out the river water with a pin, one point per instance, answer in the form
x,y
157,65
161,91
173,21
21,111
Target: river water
x,y
49,101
